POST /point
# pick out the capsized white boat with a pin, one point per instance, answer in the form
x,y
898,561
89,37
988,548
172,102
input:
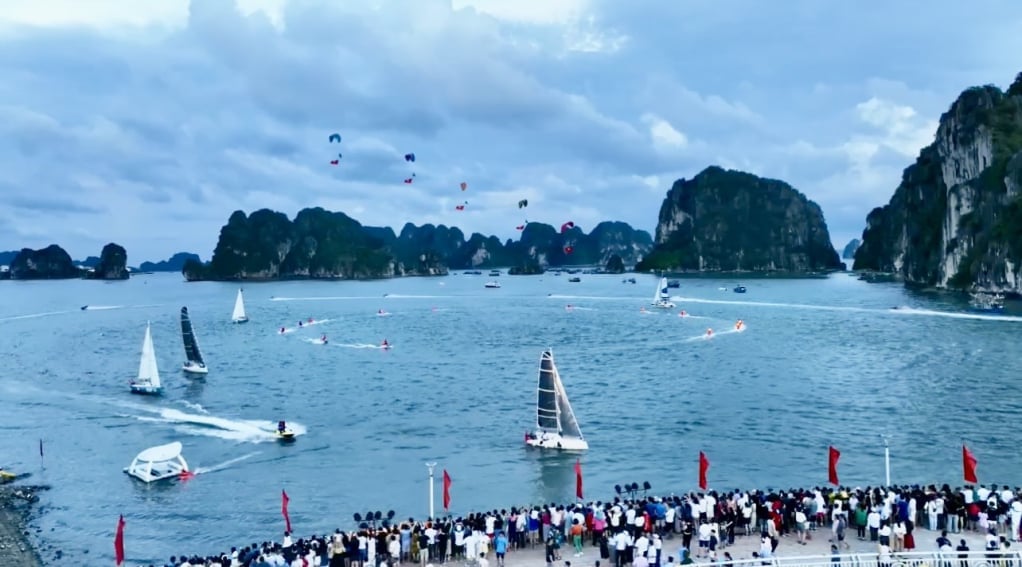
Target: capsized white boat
x,y
148,379
661,298
158,463
239,310
556,426
193,363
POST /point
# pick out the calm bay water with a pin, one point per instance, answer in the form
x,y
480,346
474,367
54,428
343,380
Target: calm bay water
x,y
822,362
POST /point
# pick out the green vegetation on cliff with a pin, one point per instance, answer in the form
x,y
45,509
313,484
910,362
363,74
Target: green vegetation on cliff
x,y
725,220
954,219
322,244
50,263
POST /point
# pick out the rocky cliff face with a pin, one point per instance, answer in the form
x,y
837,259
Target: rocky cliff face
x,y
850,249
321,244
724,220
112,265
955,221
49,263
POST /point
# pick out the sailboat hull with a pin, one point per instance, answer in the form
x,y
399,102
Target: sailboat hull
x,y
556,442
239,321
193,368
144,390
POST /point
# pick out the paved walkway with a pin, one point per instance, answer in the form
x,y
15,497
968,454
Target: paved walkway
x,y
743,548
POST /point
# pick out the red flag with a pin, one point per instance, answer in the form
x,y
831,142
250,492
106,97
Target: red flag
x,y
283,509
832,465
447,490
578,479
704,465
119,542
968,465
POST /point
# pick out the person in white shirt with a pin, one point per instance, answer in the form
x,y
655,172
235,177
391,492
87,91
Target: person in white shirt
x,y
1016,520
482,561
704,539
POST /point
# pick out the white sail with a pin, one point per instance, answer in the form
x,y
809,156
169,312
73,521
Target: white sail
x,y
656,293
239,310
148,373
661,297
565,415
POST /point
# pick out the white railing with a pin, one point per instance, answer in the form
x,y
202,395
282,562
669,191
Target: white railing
x,y
908,559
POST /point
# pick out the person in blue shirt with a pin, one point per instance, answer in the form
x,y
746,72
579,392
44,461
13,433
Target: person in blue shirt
x,y
500,547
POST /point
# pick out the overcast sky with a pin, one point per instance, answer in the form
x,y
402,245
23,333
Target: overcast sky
x,y
148,123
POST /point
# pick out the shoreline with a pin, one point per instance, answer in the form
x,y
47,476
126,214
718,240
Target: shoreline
x,y
16,507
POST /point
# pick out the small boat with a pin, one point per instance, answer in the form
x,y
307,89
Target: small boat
x,y
987,302
194,363
661,298
574,279
148,380
7,476
673,283
492,285
162,462
631,280
494,273
238,316
556,425
739,289
84,307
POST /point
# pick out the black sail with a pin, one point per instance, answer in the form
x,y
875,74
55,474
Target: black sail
x,y
546,397
191,347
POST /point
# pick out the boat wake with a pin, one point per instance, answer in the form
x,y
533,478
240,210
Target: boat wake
x,y
324,298
593,297
194,407
240,430
705,337
364,345
953,315
404,296
101,307
384,314
225,464
577,308
315,341
289,330
35,315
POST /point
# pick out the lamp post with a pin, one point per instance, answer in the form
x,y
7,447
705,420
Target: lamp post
x,y
887,460
430,466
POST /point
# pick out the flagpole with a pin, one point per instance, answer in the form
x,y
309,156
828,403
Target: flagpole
x,y
430,466
887,460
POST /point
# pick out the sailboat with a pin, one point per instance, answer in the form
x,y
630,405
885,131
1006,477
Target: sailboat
x,y
556,426
239,310
194,364
148,380
661,298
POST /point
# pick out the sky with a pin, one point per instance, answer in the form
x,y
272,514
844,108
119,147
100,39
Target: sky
x,y
148,123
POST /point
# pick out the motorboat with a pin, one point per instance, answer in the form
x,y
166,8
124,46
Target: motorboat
x,y
492,285
739,289
162,462
574,279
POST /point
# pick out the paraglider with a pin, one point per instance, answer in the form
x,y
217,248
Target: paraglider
x,y
523,203
520,227
568,249
335,137
410,157
461,207
408,180
464,185
335,161
566,226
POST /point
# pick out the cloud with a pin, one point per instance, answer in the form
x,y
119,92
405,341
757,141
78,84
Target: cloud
x,y
148,123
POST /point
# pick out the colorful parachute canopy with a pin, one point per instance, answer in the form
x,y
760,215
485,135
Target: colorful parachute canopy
x,y
520,227
334,161
566,226
460,207
339,156
523,203
408,180
410,157
335,137
464,185
568,249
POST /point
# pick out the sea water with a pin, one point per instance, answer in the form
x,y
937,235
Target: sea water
x,y
821,362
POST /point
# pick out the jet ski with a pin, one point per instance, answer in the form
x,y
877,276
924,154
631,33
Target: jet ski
x,y
284,433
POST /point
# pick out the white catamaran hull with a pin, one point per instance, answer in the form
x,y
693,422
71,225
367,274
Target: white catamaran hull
x,y
146,389
663,305
194,368
555,441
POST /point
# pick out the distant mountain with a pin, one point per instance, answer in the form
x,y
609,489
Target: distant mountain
x,y
725,220
6,257
320,244
89,262
173,264
850,248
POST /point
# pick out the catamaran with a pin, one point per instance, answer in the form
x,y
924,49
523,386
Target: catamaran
x,y
556,426
661,298
239,310
194,363
148,379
